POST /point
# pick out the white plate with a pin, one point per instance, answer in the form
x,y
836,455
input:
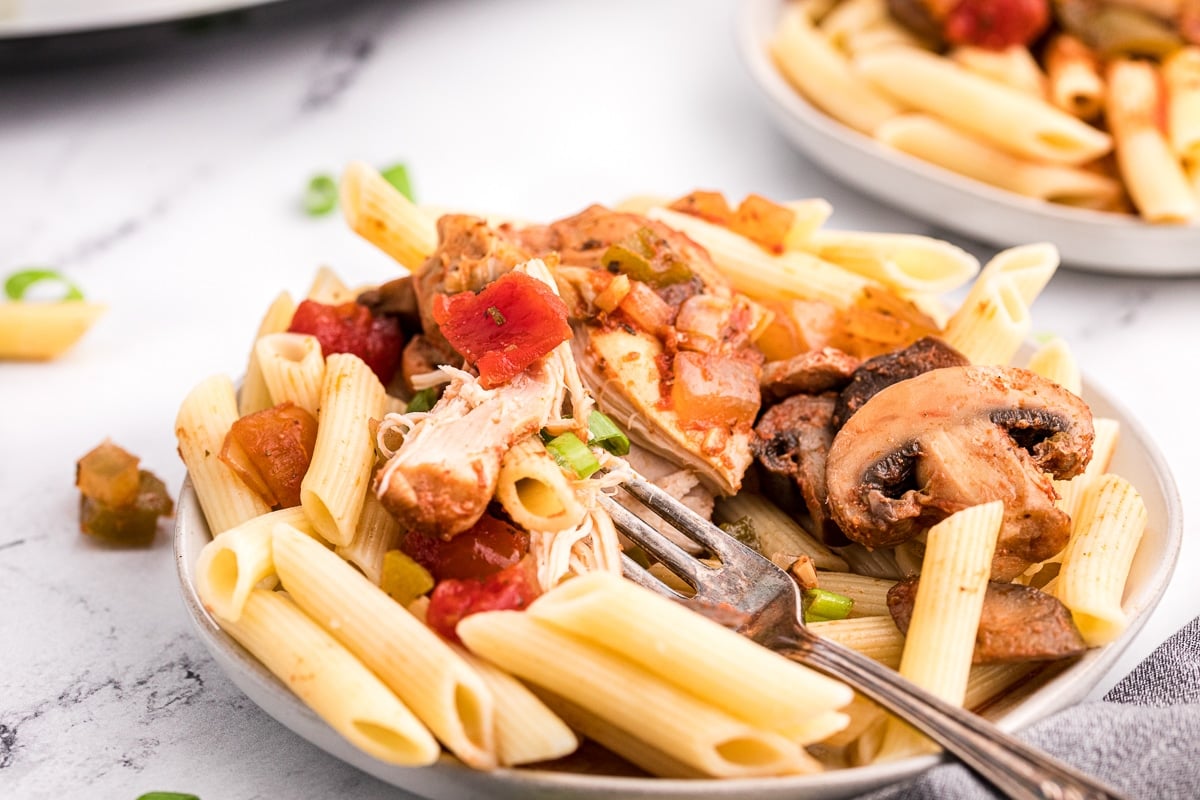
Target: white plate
x,y
27,18
1087,239
1137,459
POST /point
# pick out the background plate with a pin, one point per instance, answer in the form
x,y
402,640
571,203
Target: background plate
x,y
1086,239
1136,458
25,18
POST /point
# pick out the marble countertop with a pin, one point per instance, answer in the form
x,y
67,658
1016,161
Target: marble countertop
x,y
167,183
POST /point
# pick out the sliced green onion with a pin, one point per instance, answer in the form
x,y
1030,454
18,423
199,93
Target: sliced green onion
x,y
321,197
423,400
167,796
19,283
606,434
825,605
397,175
573,454
742,530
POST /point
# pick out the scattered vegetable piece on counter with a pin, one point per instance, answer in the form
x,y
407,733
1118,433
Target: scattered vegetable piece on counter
x,y
120,503
270,450
40,330
321,196
509,324
352,328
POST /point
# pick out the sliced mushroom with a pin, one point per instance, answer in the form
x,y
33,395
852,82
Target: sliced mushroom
x,y
956,437
791,443
1018,623
811,372
878,373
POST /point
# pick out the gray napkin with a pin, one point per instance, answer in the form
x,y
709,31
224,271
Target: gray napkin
x,y
1142,739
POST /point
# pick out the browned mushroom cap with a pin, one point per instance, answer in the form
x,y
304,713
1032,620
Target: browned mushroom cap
x,y
876,374
956,437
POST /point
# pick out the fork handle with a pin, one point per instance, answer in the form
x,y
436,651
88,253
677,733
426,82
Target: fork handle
x,y
1017,769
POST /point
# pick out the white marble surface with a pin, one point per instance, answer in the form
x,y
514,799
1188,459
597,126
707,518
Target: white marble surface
x,y
167,185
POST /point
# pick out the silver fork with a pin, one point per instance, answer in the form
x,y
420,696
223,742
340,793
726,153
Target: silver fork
x,y
767,599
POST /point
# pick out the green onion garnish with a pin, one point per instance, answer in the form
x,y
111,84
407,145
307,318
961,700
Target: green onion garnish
x,y
167,796
606,434
743,530
19,283
321,197
573,454
397,175
423,400
821,605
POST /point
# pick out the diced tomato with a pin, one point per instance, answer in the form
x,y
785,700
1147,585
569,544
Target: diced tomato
x,y
996,24
270,450
508,325
513,588
352,328
484,549
763,221
711,389
710,206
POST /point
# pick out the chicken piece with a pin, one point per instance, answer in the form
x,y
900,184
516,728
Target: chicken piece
x,y
952,438
1018,623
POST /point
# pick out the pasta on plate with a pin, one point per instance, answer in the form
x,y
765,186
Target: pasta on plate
x,y
403,496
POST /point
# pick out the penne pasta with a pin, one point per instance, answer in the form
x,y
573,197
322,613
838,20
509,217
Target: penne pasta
x,y
1014,66
254,394
1010,119
991,328
377,211
1096,563
376,532
1073,72
808,216
533,490
937,142
814,66
201,425
901,261
37,331
780,538
292,369
328,288
409,658
1153,174
1181,76
850,18
330,680
941,634
869,594
1054,360
876,637
333,489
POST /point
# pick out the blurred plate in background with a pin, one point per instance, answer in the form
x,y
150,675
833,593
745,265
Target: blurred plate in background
x,y
25,18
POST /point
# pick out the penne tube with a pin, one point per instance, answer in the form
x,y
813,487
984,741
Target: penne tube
x,y
292,369
235,563
690,651
533,490
939,143
376,532
850,18
1108,433
687,728
780,538
759,274
869,594
1096,563
378,212
1054,360
901,261
990,329
42,331
1073,73
527,731
878,563
1010,119
336,483
1153,173
819,72
1181,75
201,425
1013,66
940,642
410,659
878,37
876,637
988,681
328,288
808,216
1028,266
254,394
330,680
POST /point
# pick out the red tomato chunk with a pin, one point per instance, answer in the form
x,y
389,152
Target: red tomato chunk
x,y
352,328
512,588
508,325
270,450
482,550
996,24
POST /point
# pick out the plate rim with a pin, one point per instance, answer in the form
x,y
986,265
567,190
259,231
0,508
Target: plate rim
x,y
1066,688
786,105
12,28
